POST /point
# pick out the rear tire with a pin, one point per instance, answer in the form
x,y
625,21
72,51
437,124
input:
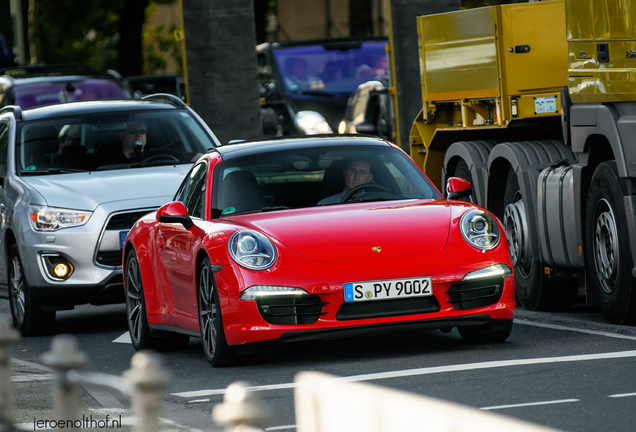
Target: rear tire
x,y
28,315
609,258
534,289
137,318
494,332
215,346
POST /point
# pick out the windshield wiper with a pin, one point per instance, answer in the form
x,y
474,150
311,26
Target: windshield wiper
x,y
51,171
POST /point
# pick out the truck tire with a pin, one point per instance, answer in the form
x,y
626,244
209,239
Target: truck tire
x,y
27,313
462,171
609,258
534,289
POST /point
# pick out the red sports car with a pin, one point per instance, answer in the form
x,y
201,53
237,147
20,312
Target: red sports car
x,y
316,237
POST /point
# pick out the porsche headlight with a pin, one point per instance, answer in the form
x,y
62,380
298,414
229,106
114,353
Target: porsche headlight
x,y
252,250
311,123
45,218
480,229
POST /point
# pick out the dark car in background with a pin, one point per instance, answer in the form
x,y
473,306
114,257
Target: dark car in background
x,y
305,85
143,85
38,85
369,111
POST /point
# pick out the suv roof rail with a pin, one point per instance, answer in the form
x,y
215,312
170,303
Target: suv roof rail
x,y
17,111
166,97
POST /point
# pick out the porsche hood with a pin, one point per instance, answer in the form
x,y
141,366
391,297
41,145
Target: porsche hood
x,y
360,231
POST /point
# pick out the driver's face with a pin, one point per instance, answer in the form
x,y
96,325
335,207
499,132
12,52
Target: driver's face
x,y
135,131
357,172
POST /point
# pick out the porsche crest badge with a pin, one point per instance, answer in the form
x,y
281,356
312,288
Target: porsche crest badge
x,y
376,249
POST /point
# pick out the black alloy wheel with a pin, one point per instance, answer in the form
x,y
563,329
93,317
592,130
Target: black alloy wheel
x,y
215,347
137,318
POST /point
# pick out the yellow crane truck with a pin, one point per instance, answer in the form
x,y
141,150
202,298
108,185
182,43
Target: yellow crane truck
x,y
535,104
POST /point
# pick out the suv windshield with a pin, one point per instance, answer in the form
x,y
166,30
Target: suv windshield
x,y
109,141
321,69
48,93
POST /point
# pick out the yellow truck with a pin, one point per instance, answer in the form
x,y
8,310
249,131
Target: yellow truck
x,y
535,104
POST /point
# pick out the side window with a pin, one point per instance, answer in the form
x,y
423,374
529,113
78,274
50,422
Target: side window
x,y
4,148
192,192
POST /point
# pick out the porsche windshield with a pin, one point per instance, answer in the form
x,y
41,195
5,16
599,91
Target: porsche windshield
x,y
318,69
109,141
317,177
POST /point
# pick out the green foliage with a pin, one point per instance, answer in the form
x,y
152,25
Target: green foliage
x,y
77,31
158,42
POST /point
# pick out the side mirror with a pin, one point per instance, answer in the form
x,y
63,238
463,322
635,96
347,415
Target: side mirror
x,y
366,128
175,212
457,188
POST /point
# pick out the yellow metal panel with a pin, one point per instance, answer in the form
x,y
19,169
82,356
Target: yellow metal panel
x,y
459,53
540,26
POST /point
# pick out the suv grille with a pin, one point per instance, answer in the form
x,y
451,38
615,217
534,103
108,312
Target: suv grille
x,y
118,222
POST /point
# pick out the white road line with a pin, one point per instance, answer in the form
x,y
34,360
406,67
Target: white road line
x,y
275,428
559,327
432,370
124,338
199,400
621,395
530,404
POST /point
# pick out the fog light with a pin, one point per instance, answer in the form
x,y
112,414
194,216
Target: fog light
x,y
57,267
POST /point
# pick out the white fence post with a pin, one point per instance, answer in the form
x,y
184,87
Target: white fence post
x,y
241,410
63,357
149,378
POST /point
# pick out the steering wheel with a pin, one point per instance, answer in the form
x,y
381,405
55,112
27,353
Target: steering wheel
x,y
358,188
160,157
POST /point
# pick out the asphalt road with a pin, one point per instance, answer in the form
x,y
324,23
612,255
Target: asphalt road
x,y
569,371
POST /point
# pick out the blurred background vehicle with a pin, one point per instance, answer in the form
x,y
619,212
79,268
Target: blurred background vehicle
x,y
38,85
66,206
369,111
305,85
143,85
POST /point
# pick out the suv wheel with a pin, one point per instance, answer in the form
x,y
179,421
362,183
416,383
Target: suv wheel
x,y
28,315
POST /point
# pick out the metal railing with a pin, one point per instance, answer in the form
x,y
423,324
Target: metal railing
x,y
323,403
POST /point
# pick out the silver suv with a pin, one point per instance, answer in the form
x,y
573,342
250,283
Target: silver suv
x,y
74,178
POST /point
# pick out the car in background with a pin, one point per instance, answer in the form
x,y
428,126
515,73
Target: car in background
x,y
369,111
143,85
37,85
250,252
305,85
69,196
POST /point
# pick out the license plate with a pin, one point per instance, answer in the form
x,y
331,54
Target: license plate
x,y
388,289
122,238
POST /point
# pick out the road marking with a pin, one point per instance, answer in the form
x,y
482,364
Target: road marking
x,y
31,377
124,338
199,400
620,395
559,327
530,404
431,370
274,428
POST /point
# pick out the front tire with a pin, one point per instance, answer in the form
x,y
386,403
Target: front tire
x,y
28,315
609,258
137,318
215,346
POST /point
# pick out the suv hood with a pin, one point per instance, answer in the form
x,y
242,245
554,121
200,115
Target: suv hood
x,y
86,191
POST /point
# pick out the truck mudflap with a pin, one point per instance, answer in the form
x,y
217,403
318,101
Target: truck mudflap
x,y
559,234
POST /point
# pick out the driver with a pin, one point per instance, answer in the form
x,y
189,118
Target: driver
x,y
132,140
357,172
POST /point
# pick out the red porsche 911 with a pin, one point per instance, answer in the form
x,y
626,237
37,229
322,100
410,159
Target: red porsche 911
x,y
316,237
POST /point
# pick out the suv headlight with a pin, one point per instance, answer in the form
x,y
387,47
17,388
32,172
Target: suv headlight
x,y
480,229
45,218
252,250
